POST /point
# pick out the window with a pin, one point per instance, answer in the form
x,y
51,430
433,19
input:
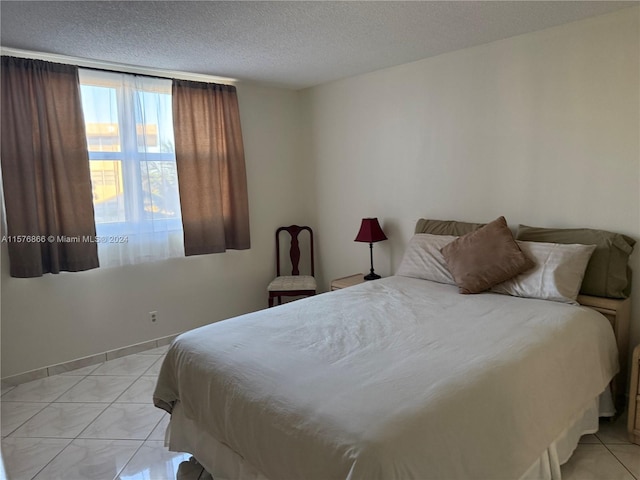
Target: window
x,y
129,128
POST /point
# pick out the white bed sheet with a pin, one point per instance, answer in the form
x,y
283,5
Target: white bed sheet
x,y
398,378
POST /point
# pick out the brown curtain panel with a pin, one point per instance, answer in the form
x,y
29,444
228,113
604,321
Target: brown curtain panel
x,y
211,170
45,169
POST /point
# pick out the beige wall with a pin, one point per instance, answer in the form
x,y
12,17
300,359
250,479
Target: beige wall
x,y
542,128
57,318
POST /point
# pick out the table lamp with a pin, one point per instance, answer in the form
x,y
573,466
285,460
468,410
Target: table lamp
x,y
370,232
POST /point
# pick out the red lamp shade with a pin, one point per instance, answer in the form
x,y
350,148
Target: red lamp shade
x,y
370,231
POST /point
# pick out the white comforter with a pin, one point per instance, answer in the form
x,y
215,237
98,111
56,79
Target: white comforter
x,y
397,378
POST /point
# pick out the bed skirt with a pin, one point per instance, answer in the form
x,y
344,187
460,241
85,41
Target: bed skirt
x,y
183,435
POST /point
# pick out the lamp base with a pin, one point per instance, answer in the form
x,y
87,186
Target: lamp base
x,y
372,276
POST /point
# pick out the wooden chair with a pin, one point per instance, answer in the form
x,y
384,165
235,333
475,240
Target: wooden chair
x,y
295,284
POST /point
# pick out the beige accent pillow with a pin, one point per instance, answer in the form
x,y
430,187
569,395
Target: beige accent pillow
x,y
557,275
483,258
422,258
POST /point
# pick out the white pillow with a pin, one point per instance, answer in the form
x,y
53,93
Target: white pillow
x,y
557,275
422,258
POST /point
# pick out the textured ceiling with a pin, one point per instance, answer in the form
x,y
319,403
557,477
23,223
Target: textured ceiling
x,y
288,44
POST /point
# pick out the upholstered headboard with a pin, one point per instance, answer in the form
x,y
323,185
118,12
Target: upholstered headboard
x,y
445,227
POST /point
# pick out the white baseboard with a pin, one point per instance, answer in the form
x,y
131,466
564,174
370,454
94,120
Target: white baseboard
x,y
86,361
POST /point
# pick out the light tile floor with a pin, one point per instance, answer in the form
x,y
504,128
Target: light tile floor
x,y
95,423
98,423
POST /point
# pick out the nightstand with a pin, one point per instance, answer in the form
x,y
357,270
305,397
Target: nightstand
x,y
345,282
633,424
618,312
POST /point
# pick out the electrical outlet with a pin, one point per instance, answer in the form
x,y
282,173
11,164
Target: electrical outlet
x,y
153,316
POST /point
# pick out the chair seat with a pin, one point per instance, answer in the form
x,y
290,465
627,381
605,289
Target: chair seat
x,y
288,283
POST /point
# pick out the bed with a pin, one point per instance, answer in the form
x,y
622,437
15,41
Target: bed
x,y
398,378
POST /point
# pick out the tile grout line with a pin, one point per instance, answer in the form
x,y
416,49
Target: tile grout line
x,y
138,449
19,426
606,445
47,404
200,476
66,389
128,461
107,405
113,401
62,403
54,457
620,461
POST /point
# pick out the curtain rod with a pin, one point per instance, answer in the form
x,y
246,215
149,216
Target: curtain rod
x,y
116,67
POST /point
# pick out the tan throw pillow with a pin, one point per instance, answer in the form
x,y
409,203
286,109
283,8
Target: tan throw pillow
x,y
483,258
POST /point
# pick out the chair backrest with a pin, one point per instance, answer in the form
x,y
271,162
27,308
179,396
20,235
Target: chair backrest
x,y
294,249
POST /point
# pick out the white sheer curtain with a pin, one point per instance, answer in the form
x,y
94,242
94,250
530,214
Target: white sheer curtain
x,y
129,128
